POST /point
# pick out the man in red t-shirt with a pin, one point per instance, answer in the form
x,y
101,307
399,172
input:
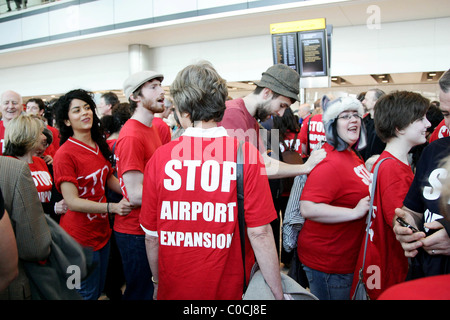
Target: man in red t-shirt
x,y
277,90
138,140
441,131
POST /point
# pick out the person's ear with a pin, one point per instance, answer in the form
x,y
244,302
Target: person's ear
x,y
399,132
135,99
267,93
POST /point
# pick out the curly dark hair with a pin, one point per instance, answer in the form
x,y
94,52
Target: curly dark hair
x,y
61,109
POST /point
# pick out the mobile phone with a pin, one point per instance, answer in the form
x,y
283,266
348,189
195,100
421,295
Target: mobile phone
x,y
403,223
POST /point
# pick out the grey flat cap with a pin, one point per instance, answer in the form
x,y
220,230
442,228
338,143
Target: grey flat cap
x,y
137,79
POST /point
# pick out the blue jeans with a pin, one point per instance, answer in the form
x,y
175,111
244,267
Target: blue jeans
x,y
136,268
91,288
327,286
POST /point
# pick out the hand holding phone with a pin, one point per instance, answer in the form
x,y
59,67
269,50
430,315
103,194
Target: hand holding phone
x,y
403,223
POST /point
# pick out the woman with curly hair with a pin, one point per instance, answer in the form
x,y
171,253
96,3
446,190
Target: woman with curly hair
x,y
82,169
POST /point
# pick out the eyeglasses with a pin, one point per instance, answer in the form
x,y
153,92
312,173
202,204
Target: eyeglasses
x,y
348,116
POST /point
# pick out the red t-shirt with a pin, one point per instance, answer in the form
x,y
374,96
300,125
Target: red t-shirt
x,y
428,288
241,124
441,131
42,179
54,146
316,131
289,141
342,180
386,263
88,170
163,129
190,203
2,137
135,146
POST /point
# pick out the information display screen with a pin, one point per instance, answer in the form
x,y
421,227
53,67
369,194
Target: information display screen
x,y
285,49
313,53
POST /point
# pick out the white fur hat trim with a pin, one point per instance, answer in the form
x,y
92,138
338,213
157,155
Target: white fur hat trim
x,y
332,109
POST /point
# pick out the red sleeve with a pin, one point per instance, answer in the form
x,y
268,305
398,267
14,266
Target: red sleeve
x,y
64,170
393,186
56,139
163,130
126,150
304,131
148,216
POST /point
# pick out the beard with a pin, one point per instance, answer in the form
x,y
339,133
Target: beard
x,y
262,111
153,106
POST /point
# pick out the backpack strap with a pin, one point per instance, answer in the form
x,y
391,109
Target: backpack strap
x,y
240,200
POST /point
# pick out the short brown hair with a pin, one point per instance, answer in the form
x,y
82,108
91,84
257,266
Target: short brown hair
x,y
200,91
396,111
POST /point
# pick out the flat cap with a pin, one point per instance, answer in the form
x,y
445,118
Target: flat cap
x,y
281,79
137,79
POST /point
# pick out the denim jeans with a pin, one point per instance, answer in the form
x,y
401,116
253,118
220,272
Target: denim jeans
x,y
136,268
327,286
91,288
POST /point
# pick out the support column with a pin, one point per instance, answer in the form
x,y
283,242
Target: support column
x,y
138,57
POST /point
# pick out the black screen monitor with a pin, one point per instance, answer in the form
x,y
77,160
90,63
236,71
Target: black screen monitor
x,y
284,47
313,53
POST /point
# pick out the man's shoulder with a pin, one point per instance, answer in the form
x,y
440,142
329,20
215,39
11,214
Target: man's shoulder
x,y
236,115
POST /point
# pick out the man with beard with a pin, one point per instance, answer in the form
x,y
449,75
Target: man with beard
x,y
138,140
277,90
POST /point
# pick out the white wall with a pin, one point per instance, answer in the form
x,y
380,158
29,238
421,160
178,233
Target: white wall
x,y
410,46
92,73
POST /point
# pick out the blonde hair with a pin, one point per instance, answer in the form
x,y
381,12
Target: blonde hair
x,y
22,135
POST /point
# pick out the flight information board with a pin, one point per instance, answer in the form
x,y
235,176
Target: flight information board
x,y
302,45
313,53
285,49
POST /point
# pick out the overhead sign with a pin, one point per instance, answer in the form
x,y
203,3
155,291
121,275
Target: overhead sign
x,y
302,45
298,26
